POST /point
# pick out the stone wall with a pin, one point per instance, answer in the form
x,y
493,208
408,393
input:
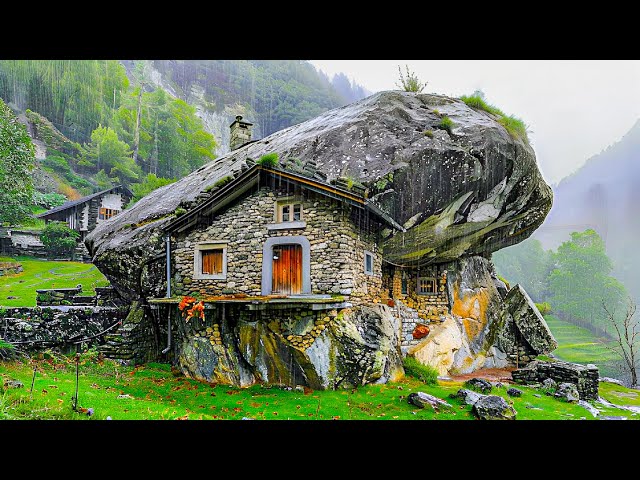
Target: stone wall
x,y
585,377
140,337
337,245
57,296
26,242
413,309
36,328
10,268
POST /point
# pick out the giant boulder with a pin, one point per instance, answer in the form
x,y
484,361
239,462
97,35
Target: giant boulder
x,y
470,191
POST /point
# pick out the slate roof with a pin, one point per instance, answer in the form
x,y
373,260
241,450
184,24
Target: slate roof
x,y
82,200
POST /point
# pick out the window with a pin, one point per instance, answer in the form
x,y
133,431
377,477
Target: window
x,y
210,261
107,213
290,212
427,286
368,263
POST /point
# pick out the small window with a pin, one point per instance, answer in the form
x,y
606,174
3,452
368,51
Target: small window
x,y
368,263
107,213
210,261
427,286
290,212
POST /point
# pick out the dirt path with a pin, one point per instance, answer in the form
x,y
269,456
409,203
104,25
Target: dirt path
x,y
491,374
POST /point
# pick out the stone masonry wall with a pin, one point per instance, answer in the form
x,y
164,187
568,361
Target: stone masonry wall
x,y
337,249
413,309
36,328
585,377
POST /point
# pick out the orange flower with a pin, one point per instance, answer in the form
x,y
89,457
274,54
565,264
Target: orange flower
x,y
186,301
196,311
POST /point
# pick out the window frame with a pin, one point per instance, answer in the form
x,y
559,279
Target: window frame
x,y
369,254
197,260
288,202
105,213
431,279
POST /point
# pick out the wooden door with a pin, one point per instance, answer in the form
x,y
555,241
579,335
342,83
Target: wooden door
x,y
287,269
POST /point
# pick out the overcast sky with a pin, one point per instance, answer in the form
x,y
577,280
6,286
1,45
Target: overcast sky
x,y
574,108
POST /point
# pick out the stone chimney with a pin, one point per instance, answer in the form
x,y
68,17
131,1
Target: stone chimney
x,y
240,133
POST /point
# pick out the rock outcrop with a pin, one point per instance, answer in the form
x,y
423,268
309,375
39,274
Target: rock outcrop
x,y
356,348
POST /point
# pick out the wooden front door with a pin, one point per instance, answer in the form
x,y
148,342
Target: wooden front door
x,y
287,269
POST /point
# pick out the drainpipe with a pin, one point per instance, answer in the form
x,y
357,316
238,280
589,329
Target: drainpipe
x,y
168,252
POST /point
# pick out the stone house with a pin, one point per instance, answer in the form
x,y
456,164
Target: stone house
x,y
85,213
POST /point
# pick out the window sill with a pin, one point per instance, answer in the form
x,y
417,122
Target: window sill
x,y
287,225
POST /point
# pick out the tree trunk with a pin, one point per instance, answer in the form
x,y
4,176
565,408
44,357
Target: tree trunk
x,y
136,137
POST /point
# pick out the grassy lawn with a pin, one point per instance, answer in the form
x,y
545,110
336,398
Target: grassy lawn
x,y
153,392
39,274
579,345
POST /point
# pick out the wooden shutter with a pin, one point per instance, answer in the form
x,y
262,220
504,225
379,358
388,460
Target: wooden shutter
x,y
212,262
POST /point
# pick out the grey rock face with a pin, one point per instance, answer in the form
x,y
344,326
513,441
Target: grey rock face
x,y
493,407
514,392
479,384
468,396
421,400
567,392
494,195
355,349
520,311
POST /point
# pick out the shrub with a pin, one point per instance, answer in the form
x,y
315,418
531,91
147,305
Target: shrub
x,y
425,373
269,160
446,124
544,308
59,239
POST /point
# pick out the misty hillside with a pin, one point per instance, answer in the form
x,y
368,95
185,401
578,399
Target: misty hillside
x,y
603,194
272,94
97,123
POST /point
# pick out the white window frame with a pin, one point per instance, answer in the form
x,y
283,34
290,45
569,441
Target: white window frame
x,y
367,253
197,260
278,224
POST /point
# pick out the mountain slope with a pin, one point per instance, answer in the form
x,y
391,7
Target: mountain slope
x,y
604,195
272,94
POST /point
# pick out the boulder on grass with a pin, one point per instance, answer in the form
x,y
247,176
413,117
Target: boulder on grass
x,y
493,407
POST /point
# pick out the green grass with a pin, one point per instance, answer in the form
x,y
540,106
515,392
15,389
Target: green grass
x,y
39,274
153,392
514,125
446,124
579,345
425,373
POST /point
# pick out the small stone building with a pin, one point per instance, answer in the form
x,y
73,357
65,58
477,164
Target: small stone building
x,y
85,213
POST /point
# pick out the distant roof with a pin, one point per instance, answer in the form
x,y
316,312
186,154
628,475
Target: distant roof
x,y
82,200
250,178
239,120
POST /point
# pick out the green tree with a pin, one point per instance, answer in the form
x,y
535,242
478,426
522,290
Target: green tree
x,y
528,264
17,160
581,280
149,184
410,81
59,239
107,152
